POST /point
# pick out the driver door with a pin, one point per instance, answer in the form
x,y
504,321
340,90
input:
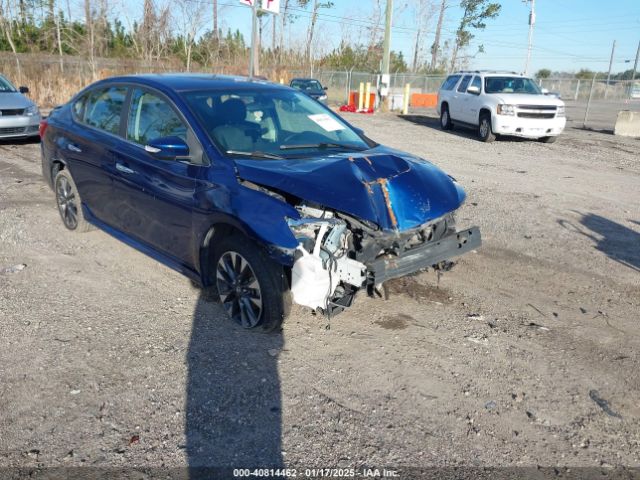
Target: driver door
x,y
158,195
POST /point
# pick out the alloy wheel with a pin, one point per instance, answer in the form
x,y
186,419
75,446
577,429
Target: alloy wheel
x,y
239,289
66,199
484,128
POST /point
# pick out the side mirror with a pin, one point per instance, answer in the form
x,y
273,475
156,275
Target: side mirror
x,y
167,148
473,90
325,88
359,131
545,91
23,89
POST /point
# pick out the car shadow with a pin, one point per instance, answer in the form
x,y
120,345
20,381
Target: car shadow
x,y
434,123
616,241
233,401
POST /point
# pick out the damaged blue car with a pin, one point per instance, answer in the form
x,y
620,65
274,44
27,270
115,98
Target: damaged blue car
x,y
249,188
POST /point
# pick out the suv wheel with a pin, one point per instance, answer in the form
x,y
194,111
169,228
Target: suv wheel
x,y
485,133
548,139
251,287
69,202
445,118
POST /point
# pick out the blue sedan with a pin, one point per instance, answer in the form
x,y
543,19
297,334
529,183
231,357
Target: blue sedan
x,y
249,188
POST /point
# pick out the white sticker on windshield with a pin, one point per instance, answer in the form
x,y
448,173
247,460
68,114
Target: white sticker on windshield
x,y
325,121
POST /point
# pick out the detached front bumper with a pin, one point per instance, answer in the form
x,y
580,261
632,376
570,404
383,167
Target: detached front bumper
x,y
424,256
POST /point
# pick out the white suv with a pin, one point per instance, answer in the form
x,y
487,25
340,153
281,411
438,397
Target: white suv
x,y
498,103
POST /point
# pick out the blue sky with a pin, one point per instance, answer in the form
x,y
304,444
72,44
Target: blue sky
x,y
569,34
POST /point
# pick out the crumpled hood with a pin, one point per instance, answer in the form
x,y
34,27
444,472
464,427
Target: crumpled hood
x,y
13,101
393,190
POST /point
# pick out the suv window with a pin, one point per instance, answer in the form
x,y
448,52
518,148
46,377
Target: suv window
x,y
464,83
102,108
477,82
151,117
450,82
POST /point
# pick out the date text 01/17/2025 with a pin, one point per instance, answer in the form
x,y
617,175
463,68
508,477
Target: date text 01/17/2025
x,y
315,473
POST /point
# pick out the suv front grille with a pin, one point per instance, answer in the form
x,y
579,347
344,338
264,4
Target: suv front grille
x,y
536,115
537,107
537,111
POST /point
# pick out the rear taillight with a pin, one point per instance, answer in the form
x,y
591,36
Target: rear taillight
x,y
43,128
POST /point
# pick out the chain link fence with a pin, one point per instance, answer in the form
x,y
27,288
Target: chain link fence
x,y
591,103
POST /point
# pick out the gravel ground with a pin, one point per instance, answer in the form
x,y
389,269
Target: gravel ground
x,y
525,354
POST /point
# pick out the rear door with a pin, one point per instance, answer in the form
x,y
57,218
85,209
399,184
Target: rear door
x,y
457,99
87,145
159,194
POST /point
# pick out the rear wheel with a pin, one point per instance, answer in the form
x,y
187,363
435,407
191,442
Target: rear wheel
x,y
445,118
485,132
252,288
548,139
69,203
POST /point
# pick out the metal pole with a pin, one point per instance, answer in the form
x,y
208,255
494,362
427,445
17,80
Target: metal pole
x,y
635,65
386,57
586,112
254,56
613,49
532,22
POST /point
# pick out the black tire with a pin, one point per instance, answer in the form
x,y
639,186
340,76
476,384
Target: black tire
x,y
69,202
445,118
257,297
548,139
485,130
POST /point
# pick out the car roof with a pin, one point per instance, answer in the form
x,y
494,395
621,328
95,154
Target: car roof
x,y
196,81
304,80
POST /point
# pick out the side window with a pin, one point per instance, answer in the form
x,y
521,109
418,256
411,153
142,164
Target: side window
x,y
78,107
464,83
151,117
476,83
103,108
450,82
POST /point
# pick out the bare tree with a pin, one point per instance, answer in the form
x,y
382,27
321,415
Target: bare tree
x,y
192,20
423,12
435,48
5,24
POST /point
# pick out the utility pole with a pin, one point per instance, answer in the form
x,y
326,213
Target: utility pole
x,y
635,65
613,49
385,83
386,56
254,57
532,22
215,19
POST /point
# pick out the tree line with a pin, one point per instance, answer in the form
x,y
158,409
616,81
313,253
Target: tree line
x,y
189,32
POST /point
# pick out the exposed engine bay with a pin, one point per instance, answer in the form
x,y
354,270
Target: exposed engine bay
x,y
336,252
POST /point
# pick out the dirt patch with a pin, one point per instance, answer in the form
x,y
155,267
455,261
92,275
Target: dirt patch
x,y
411,287
396,322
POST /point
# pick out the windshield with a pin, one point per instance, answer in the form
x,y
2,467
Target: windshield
x,y
309,85
511,85
271,123
5,85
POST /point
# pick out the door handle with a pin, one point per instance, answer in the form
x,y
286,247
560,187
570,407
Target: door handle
x,y
123,168
73,148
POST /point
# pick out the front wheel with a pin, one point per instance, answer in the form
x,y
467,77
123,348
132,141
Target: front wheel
x,y
548,139
252,288
485,132
445,118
